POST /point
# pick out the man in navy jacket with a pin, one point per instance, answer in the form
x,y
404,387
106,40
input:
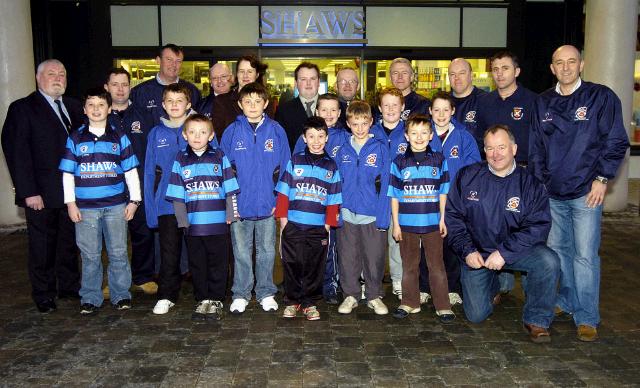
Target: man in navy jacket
x,y
498,218
577,143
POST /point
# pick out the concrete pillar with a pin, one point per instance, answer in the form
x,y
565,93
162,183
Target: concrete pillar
x,y
609,55
17,80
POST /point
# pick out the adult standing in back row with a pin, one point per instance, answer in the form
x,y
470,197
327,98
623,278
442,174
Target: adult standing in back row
x,y
402,77
465,97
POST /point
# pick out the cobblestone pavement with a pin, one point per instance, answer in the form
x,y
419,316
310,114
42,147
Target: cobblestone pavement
x,y
136,348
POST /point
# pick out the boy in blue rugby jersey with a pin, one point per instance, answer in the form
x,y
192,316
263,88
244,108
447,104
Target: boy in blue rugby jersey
x,y
201,181
309,194
418,189
98,160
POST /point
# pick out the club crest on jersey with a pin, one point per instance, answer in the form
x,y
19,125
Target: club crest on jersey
x,y
405,114
473,196
517,113
434,171
135,127
581,113
216,168
84,149
268,145
114,147
298,171
240,146
454,152
406,174
186,173
402,148
512,204
371,160
470,117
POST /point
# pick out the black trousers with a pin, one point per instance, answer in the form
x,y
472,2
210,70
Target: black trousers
x,y
170,278
53,254
304,254
209,265
142,248
451,266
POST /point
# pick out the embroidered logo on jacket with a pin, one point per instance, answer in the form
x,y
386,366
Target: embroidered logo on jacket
x,y
470,117
405,114
371,160
517,113
298,171
454,152
268,145
135,127
240,146
402,148
581,113
473,196
512,204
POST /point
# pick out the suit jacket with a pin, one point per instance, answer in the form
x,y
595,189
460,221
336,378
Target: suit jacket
x,y
33,142
291,115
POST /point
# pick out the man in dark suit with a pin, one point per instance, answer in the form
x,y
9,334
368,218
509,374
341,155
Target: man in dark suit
x,y
33,140
347,83
293,113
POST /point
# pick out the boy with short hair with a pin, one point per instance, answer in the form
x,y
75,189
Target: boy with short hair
x,y
328,107
258,148
363,162
309,195
97,162
164,142
201,181
418,189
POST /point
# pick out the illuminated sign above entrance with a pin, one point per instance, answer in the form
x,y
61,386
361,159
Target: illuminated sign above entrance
x,y
312,25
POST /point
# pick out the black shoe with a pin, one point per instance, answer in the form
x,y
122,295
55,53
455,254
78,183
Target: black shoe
x,y
400,313
123,304
331,299
46,306
88,309
68,295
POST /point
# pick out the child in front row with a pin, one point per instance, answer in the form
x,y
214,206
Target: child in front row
x,y
258,148
201,181
309,195
418,189
328,107
363,162
97,162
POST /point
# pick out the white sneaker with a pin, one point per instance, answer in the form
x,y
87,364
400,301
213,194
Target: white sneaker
x,y
202,308
424,297
238,306
454,298
378,306
269,304
397,288
347,305
163,306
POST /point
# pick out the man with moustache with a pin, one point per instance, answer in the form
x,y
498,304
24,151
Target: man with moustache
x,y
33,140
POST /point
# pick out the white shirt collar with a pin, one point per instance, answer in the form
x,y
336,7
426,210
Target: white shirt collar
x,y
511,170
575,87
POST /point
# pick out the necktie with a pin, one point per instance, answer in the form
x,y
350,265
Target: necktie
x,y
65,119
309,112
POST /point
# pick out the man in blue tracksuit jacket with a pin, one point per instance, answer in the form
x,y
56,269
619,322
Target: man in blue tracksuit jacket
x,y
148,95
578,141
465,97
497,216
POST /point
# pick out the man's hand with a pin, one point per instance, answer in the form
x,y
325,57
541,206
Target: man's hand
x,y
495,261
596,195
397,232
129,211
74,212
474,260
35,202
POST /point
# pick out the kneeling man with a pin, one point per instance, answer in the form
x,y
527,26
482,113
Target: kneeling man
x,y
498,218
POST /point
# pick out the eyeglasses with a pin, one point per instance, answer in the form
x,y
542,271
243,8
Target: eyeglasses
x,y
344,82
221,78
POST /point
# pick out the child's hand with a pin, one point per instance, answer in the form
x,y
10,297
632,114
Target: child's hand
x,y
74,212
443,228
129,211
283,223
327,227
397,232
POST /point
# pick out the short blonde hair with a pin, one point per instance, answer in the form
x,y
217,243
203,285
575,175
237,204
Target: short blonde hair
x,y
358,109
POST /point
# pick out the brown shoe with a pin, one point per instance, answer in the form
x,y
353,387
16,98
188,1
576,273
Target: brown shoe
x,y
497,299
561,315
587,333
537,334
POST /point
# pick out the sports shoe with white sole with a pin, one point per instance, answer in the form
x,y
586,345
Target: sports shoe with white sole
x,y
454,298
269,304
202,308
347,305
424,297
378,306
291,311
397,288
238,306
215,310
311,313
163,306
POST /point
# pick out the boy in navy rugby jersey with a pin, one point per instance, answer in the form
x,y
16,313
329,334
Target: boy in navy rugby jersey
x,y
97,162
309,194
201,180
259,149
418,189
